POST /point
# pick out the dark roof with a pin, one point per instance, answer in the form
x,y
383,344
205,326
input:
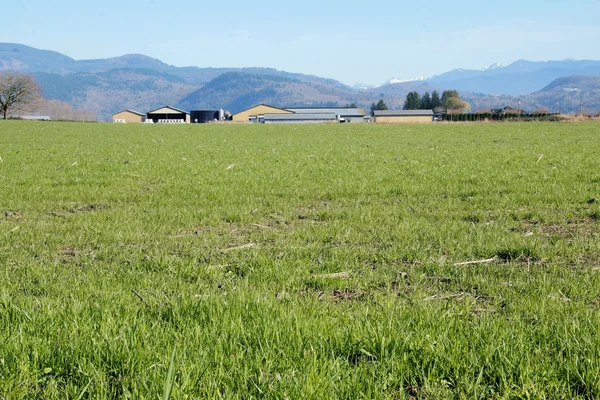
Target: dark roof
x,y
258,105
172,108
402,113
133,112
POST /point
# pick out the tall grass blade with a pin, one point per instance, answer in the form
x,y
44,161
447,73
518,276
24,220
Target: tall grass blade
x,y
168,388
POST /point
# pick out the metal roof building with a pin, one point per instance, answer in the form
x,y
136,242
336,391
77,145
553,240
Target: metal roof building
x,y
35,117
168,114
347,114
129,116
256,113
402,116
303,118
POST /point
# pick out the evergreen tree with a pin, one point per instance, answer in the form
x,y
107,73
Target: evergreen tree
x,y
413,101
426,102
378,107
381,106
435,100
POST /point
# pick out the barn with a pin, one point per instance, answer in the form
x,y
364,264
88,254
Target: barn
x,y
257,113
343,114
403,116
168,115
303,118
129,116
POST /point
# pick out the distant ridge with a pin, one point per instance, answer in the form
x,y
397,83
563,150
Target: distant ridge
x,y
519,78
136,81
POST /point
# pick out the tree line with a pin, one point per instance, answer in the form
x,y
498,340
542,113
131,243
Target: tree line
x,y
450,100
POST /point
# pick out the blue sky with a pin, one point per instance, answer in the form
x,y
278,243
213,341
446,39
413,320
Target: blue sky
x,y
349,41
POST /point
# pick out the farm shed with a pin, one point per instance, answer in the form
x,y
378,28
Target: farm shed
x,y
168,114
402,116
256,113
346,114
299,118
129,116
204,116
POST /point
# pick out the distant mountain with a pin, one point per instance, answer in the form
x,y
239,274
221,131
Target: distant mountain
x,y
139,82
395,81
492,67
236,91
519,78
27,59
114,90
570,91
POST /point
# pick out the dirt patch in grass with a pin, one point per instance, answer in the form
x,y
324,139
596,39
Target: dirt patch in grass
x,y
78,210
9,214
338,295
571,229
415,393
232,229
316,213
482,304
589,260
70,254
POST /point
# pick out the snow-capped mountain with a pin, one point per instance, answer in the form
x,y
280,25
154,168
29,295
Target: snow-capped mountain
x,y
364,86
492,67
394,81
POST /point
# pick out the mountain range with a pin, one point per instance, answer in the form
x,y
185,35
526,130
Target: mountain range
x,y
142,83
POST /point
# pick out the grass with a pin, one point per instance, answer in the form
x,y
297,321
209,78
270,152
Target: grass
x,y
299,261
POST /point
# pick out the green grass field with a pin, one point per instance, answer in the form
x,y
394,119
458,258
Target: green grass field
x,y
300,261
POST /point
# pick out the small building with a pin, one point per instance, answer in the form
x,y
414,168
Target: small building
x,y
508,110
129,116
403,116
257,113
36,117
302,118
343,114
168,115
205,116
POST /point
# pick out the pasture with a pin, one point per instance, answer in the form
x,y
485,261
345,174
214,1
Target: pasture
x,y
295,262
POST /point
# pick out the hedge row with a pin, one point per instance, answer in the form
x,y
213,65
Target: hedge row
x,y
500,117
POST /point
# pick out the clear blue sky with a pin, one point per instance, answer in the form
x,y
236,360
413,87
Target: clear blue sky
x,y
349,41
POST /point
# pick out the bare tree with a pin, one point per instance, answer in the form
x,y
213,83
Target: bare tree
x,y
17,91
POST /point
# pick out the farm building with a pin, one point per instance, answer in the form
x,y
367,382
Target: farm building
x,y
35,117
205,116
343,114
256,113
129,116
303,118
402,116
168,114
